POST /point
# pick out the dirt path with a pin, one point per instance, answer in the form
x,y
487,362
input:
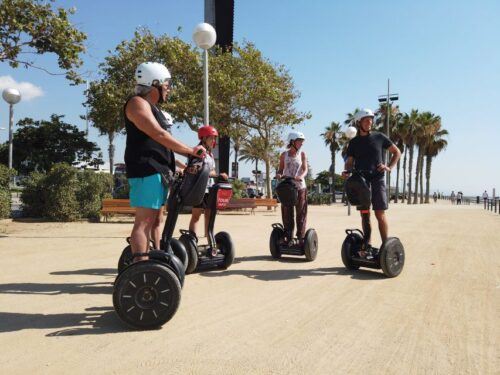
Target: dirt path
x,y
441,315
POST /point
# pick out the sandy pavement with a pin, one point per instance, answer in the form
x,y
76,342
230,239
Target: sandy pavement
x,y
440,316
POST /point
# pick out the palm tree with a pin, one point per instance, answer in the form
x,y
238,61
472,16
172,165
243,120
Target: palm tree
x,y
436,144
332,136
397,137
410,123
429,124
349,121
252,150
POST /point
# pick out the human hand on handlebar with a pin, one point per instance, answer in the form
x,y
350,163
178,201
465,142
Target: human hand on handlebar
x,y
278,176
383,168
297,178
223,176
199,151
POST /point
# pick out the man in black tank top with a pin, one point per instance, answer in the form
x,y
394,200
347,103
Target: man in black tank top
x,y
365,153
149,151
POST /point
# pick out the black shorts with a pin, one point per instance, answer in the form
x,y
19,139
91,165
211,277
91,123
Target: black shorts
x,y
204,202
378,193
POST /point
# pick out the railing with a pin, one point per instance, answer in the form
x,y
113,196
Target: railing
x,y
492,205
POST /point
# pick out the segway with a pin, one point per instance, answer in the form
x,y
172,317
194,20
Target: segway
x,y
219,252
391,255
147,293
283,243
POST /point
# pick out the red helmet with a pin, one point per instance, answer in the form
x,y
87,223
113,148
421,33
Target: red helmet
x,y
207,131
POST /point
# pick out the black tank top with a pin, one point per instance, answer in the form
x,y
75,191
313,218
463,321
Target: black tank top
x,y
143,155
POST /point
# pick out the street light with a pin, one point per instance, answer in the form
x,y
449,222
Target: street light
x,y
11,96
204,36
389,98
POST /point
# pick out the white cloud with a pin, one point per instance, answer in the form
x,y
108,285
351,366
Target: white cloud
x,y
28,90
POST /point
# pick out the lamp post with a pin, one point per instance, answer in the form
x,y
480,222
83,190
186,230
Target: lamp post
x,y
11,96
204,36
389,98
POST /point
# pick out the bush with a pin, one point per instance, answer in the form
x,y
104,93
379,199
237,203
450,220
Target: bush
x,y
239,188
5,198
4,203
60,187
316,198
32,196
121,188
93,188
65,194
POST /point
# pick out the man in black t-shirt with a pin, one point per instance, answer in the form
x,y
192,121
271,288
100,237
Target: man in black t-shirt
x,y
365,153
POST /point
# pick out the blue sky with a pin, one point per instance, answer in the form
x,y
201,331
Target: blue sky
x,y
441,56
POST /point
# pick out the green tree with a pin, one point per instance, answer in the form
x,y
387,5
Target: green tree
x,y
410,124
106,113
33,27
266,102
40,144
332,137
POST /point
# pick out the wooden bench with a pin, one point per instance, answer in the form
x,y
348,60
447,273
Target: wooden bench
x,y
252,203
116,206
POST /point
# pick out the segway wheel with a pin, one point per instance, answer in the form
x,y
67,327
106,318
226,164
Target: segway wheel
x,y
179,251
125,259
311,245
226,247
192,252
274,242
392,257
146,295
352,243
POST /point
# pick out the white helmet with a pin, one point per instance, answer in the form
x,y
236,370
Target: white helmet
x,y
168,117
365,112
147,73
294,134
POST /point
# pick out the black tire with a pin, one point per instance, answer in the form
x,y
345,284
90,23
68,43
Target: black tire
x,y
125,259
226,247
311,245
274,242
179,251
392,257
146,295
351,243
192,252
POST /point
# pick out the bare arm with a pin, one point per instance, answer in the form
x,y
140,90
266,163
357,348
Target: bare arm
x,y
396,154
349,163
139,112
303,174
282,165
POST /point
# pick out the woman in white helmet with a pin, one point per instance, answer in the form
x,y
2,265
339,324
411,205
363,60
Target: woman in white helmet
x,y
149,151
293,164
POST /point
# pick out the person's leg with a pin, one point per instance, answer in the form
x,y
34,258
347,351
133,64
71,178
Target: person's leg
x,y
157,229
207,219
367,226
139,239
195,217
301,214
147,195
287,216
383,227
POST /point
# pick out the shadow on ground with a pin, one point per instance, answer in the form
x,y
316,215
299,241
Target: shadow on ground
x,y
89,271
56,289
277,275
95,320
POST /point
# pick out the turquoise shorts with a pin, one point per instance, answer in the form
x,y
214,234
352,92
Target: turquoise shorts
x,y
147,192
